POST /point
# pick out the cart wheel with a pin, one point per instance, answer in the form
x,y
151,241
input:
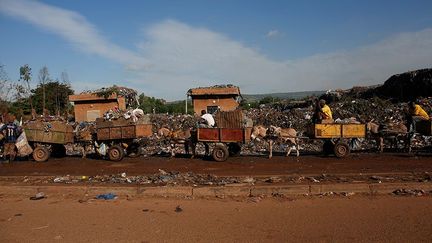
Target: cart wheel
x,y
133,150
220,153
341,150
234,149
41,154
115,153
328,147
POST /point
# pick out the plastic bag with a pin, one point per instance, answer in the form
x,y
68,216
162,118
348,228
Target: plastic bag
x,y
23,146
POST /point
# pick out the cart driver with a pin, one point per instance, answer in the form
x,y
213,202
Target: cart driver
x,y
323,113
207,120
416,113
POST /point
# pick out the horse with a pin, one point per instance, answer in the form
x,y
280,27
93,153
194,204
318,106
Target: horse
x,y
177,137
390,132
273,133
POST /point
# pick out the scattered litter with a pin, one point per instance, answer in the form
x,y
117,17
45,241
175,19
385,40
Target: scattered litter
x,y
42,227
313,180
38,196
409,192
107,196
178,209
18,215
347,194
249,180
273,179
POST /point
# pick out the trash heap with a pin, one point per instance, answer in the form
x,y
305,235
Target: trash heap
x,y
130,95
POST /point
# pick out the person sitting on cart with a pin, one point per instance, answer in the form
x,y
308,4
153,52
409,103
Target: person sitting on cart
x,y
207,120
11,137
323,113
416,114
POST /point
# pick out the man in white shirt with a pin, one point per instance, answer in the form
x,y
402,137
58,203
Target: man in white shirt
x,y
208,120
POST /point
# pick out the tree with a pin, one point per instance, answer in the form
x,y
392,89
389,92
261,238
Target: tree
x,y
25,77
43,78
5,90
57,96
65,78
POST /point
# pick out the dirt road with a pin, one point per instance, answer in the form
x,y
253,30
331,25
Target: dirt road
x,y
236,166
357,219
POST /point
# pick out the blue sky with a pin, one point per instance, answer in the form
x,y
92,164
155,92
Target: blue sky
x,y
163,48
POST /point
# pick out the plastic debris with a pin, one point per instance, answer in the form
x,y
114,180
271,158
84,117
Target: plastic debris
x,y
38,196
106,196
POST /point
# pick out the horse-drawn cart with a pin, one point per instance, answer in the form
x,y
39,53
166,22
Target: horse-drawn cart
x,y
43,137
122,135
337,135
227,141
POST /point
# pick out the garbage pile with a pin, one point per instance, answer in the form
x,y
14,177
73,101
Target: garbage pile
x,y
406,86
130,95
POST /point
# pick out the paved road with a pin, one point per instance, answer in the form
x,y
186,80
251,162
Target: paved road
x,y
236,166
356,219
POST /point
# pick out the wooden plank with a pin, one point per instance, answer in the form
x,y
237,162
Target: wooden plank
x,y
353,130
229,119
208,134
328,131
144,130
424,127
231,135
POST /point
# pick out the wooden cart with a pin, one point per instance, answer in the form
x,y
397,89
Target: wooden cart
x,y
227,141
336,136
44,136
121,135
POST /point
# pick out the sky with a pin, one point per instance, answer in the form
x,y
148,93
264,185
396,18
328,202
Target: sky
x,y
163,48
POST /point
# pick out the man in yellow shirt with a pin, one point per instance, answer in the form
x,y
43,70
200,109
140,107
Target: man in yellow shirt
x,y
326,113
322,113
417,113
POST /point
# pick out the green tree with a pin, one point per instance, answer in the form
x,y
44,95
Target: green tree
x,y
24,89
5,90
57,97
43,78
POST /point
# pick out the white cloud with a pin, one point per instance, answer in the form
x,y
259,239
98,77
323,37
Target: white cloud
x,y
174,56
71,26
273,33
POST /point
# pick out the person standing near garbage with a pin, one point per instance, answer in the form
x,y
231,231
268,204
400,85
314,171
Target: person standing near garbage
x,y
416,113
11,136
323,113
207,119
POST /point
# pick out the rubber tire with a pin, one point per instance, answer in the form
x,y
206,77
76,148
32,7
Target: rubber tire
x,y
341,150
234,149
220,153
41,154
328,147
116,153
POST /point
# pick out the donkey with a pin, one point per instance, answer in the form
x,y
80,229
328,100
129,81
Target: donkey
x,y
389,132
177,137
273,133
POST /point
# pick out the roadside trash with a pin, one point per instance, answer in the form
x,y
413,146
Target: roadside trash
x,y
123,175
107,196
18,215
273,180
38,196
313,180
23,146
178,209
102,149
146,210
249,180
347,194
409,192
